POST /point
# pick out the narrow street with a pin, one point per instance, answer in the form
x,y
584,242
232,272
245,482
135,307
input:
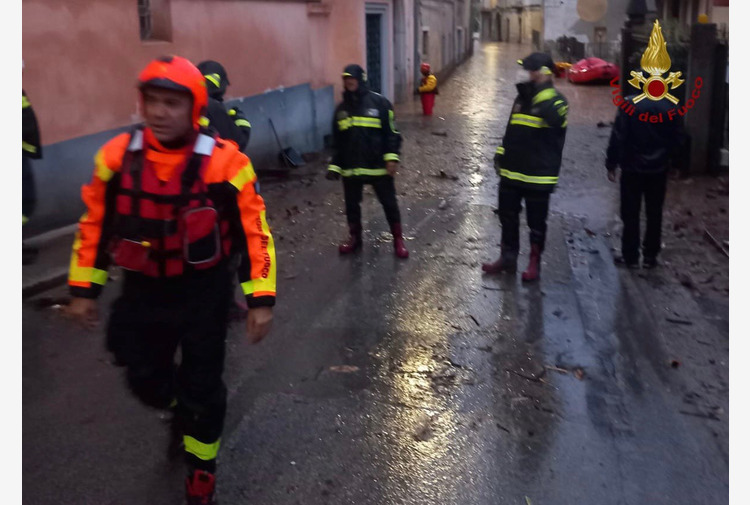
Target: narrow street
x,y
422,382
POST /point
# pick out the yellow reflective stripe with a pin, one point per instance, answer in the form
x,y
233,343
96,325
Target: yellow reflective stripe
x,y
268,284
87,274
258,285
500,150
544,95
84,274
367,122
24,220
28,147
362,122
242,122
391,157
25,102
245,175
520,62
101,170
392,121
200,450
334,168
532,179
565,124
348,172
526,120
232,112
204,121
214,78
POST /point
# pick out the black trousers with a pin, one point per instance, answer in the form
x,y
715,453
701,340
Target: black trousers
x,y
385,190
150,320
28,188
635,187
509,209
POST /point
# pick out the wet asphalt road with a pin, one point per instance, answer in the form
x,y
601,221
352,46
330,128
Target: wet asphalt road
x,y
407,382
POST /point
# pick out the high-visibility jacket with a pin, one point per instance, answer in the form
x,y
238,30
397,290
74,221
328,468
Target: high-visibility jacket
x,y
429,84
364,136
31,144
153,209
531,151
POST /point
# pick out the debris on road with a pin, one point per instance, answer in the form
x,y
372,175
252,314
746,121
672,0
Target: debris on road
x,y
709,415
715,242
491,288
443,205
440,133
578,372
475,320
444,175
679,321
344,368
556,369
674,363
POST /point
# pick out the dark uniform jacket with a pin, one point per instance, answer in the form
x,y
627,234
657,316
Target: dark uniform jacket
x,y
531,151
364,135
229,124
31,144
643,146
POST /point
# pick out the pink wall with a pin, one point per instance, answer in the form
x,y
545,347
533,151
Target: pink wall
x,y
82,57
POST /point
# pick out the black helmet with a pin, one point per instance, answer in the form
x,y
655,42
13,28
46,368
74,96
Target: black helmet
x,y
357,72
216,78
538,61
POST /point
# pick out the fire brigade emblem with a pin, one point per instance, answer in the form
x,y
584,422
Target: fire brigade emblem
x,y
655,61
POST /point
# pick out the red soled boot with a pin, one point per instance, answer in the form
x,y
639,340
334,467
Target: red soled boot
x,y
355,240
199,488
399,246
535,259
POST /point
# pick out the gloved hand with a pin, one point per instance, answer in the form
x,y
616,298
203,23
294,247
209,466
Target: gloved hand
x,y
332,176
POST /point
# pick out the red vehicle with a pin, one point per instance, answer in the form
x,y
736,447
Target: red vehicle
x,y
592,70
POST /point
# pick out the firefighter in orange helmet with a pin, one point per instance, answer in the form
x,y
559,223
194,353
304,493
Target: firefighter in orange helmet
x,y
169,203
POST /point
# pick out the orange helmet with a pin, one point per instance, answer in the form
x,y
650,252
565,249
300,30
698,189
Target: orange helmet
x,y
425,67
175,72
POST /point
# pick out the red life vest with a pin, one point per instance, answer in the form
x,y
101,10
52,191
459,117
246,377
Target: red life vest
x,y
163,229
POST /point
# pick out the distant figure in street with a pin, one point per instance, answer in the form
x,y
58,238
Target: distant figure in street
x,y
230,124
366,149
31,149
528,163
170,203
643,151
428,89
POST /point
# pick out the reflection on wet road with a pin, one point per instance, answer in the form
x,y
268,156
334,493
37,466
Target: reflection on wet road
x,y
421,381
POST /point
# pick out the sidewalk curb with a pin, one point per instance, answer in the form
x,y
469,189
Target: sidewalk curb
x,y
41,277
37,286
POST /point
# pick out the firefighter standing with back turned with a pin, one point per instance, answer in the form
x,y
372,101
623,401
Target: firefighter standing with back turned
x,y
169,203
366,151
528,162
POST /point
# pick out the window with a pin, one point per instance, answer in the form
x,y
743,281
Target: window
x,y
144,16
155,20
425,41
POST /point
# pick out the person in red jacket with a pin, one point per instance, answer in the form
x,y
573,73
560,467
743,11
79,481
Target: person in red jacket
x,y
428,89
170,203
